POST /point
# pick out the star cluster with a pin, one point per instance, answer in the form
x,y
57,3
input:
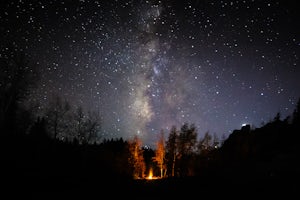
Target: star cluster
x,y
148,65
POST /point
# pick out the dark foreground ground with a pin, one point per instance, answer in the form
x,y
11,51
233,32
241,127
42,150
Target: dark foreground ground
x,y
33,185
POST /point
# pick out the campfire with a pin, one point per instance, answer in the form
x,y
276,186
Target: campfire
x,y
150,175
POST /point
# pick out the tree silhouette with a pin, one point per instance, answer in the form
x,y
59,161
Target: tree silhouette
x,y
58,123
65,123
171,150
187,141
93,127
296,114
205,144
79,119
17,78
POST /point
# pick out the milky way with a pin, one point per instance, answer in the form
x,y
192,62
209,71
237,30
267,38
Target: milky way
x,y
148,65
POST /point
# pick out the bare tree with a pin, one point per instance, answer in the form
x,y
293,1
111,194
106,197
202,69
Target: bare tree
x,y
93,127
57,118
87,126
79,120
160,153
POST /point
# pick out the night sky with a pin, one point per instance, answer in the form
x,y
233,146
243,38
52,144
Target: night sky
x,y
148,65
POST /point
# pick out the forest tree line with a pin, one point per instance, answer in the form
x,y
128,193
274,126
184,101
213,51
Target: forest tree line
x,y
65,139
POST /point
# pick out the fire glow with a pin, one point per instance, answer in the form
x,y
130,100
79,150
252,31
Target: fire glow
x,y
150,175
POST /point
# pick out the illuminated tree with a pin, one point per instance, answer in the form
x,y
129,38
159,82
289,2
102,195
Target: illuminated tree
x,y
136,159
160,153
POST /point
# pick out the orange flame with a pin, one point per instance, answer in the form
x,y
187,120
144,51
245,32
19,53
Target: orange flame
x,y
150,176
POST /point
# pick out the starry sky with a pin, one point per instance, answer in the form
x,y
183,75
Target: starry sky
x,y
148,65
